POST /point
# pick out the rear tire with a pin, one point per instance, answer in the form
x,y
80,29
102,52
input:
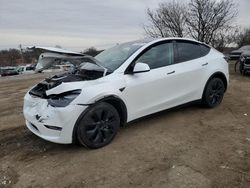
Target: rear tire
x,y
98,126
214,93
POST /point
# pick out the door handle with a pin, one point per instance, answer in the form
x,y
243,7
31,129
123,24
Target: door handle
x,y
171,72
205,64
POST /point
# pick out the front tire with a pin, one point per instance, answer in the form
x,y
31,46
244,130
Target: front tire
x,y
214,93
98,126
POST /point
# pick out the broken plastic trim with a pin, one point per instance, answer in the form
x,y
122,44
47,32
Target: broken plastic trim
x,y
35,127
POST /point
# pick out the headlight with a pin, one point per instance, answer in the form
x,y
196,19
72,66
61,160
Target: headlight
x,y
63,99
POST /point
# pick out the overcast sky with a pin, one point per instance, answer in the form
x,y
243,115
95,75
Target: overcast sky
x,y
79,24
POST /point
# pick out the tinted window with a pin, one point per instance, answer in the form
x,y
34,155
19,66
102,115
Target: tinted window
x,y
116,56
55,67
158,56
204,49
29,68
187,51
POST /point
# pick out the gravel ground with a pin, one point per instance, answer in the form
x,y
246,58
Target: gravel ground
x,y
186,147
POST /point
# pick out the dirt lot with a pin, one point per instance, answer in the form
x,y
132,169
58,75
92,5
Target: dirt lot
x,y
188,147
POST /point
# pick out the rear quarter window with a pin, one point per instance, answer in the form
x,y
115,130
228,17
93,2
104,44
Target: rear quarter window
x,y
186,51
204,49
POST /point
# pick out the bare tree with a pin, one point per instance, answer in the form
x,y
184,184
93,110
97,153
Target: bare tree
x,y
92,51
224,38
243,37
207,18
21,52
167,20
9,57
208,21
58,46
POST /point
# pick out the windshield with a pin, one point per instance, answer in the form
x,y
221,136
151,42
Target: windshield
x,y
91,67
19,69
116,56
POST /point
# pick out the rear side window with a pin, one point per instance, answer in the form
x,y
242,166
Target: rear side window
x,y
30,68
204,49
186,51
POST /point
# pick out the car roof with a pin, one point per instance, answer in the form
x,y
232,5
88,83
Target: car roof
x,y
246,47
155,40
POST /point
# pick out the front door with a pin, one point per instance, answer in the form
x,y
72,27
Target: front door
x,y
148,92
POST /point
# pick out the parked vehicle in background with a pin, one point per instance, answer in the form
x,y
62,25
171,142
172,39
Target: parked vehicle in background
x,y
27,69
244,62
8,71
235,54
121,84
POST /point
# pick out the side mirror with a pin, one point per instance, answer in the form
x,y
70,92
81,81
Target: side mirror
x,y
141,67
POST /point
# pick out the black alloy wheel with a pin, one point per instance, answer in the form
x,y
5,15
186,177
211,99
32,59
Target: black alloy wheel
x,y
214,93
99,126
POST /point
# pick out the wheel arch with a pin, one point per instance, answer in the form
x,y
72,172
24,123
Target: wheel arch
x,y
220,75
119,106
113,100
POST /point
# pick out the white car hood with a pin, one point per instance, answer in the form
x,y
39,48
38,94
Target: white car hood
x,y
47,59
51,55
56,50
70,86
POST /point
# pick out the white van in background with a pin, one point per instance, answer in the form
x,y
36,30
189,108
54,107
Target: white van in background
x,y
27,69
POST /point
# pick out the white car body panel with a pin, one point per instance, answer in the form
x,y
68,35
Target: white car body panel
x,y
57,50
48,115
47,59
156,90
142,93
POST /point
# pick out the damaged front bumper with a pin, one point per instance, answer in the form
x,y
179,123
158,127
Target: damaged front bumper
x,y
51,123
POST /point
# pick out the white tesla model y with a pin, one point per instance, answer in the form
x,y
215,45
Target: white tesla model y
x,y
89,103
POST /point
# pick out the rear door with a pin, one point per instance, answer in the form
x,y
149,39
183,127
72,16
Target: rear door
x,y
190,68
